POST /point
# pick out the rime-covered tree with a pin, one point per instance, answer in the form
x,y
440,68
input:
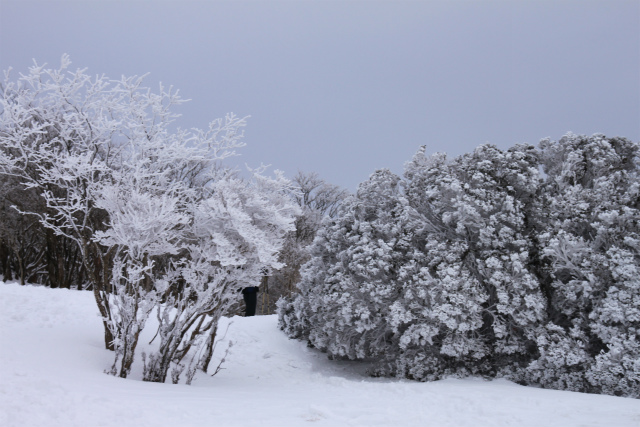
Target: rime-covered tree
x,y
316,199
159,222
476,304
592,248
433,279
58,137
358,258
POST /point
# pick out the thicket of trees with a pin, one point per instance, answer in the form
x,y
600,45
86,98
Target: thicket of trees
x,y
99,192
521,263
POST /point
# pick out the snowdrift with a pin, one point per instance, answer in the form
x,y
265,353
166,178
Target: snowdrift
x,y
52,364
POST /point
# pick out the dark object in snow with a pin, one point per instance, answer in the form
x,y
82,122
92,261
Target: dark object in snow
x,y
250,295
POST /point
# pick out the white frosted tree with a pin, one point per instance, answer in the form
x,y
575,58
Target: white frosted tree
x,y
316,199
349,283
59,133
592,250
235,233
476,305
160,222
430,275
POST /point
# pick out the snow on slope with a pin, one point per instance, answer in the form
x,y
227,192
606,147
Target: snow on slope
x,y
52,362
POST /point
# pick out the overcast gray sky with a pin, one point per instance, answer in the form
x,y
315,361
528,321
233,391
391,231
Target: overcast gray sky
x,y
345,87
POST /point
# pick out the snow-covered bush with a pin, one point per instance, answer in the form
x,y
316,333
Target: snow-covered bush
x,y
432,280
592,249
477,305
482,265
351,280
561,363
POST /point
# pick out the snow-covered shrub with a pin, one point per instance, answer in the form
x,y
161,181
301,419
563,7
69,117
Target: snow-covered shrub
x,y
294,316
561,362
482,265
592,247
477,306
433,283
347,287
617,372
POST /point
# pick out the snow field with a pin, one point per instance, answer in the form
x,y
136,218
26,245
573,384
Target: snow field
x,y
52,361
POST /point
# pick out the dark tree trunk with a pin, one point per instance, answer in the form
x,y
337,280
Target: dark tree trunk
x,y
208,347
130,343
96,266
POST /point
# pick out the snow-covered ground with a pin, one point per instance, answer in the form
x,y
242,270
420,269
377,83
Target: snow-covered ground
x,y
52,361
